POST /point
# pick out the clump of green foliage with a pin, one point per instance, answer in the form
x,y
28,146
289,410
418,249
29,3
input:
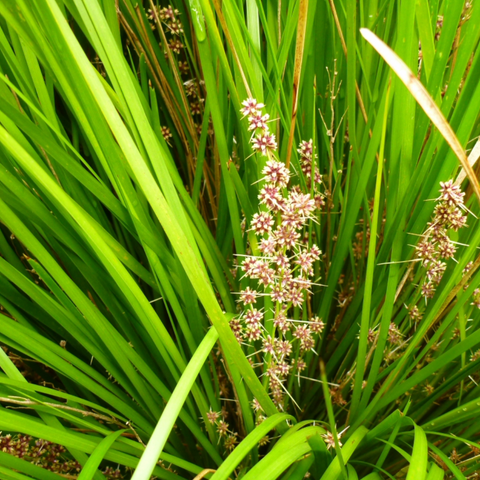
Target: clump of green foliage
x,y
232,243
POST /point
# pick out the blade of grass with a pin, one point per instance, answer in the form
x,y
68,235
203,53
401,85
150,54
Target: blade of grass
x,y
169,416
98,455
372,248
333,428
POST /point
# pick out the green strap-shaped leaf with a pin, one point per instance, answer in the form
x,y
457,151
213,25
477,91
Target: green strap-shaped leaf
x,y
273,465
372,476
284,454
169,416
435,473
418,465
98,455
234,459
334,470
446,459
9,461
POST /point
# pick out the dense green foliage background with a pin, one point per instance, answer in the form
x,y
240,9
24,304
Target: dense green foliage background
x,y
127,189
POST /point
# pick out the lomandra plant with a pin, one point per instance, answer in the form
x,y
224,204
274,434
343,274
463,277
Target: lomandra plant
x,y
237,241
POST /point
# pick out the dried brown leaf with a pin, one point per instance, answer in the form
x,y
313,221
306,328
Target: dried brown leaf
x,y
424,99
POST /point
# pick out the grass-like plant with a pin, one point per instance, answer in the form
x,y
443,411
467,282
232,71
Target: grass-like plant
x,y
239,239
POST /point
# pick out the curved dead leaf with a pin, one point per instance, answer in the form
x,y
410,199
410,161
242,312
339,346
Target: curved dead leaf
x,y
203,473
424,99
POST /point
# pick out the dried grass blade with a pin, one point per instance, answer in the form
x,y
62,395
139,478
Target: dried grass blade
x,y
472,160
424,99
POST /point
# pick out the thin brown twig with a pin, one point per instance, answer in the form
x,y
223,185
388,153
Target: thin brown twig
x,y
26,402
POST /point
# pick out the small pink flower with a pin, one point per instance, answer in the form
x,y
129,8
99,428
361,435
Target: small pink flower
x,y
176,27
425,250
394,335
253,317
250,107
305,261
458,220
307,344
316,325
446,248
451,193
319,201
253,332
306,149
428,290
437,232
249,266
280,321
291,218
329,440
222,428
287,280
372,335
449,216
195,108
248,296
262,223
281,260
304,334
259,267
268,345
168,13
257,120
256,405
166,133
265,142
191,88
315,252
212,417
283,368
435,270
283,348
175,45
266,276
303,203
414,313
286,236
268,245
307,168
276,173
270,196
277,294
152,14
237,328
272,372
300,364
296,297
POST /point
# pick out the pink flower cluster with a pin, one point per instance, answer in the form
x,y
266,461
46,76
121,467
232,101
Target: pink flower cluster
x,y
307,158
285,268
436,246
263,141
